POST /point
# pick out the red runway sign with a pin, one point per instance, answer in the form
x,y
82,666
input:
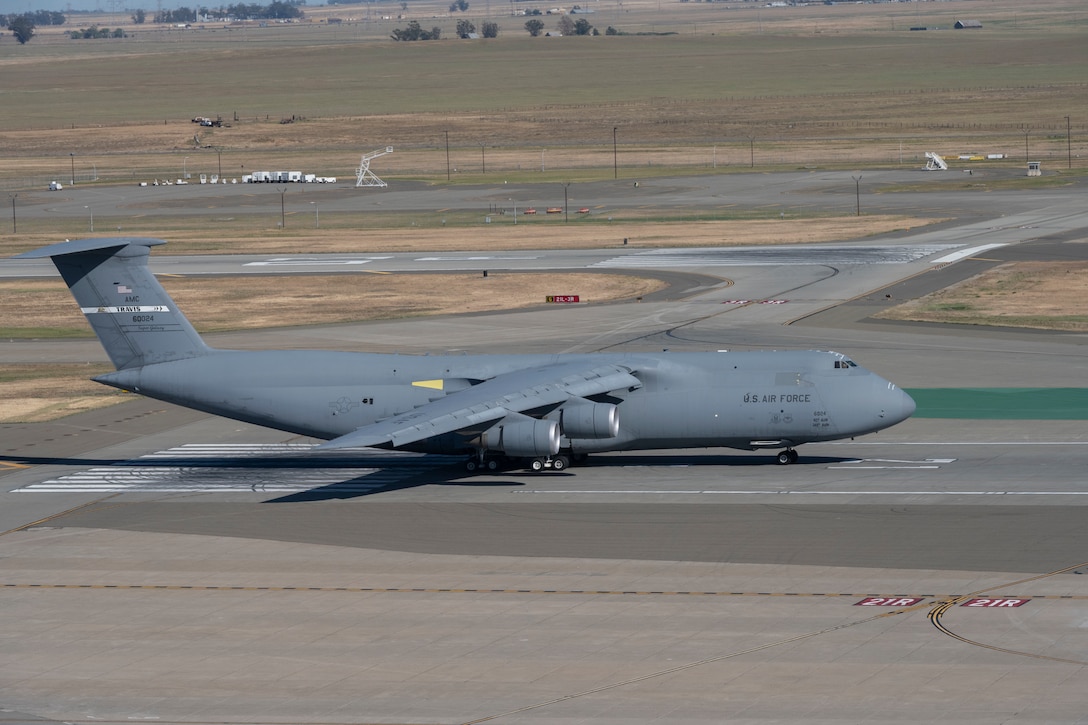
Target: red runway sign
x,y
995,602
889,601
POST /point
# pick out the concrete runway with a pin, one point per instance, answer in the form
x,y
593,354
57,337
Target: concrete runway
x,y
161,565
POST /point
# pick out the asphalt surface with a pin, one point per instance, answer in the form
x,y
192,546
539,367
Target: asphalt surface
x,y
162,565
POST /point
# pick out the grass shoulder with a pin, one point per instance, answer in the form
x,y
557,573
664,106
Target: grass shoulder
x,y
1034,295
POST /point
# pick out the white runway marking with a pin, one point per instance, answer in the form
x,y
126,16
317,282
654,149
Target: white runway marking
x,y
957,443
790,492
889,464
302,262
483,258
964,253
261,468
794,254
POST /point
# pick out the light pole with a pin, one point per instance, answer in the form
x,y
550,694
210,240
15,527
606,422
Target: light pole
x,y
14,229
447,155
566,213
1027,132
73,168
317,215
283,214
219,152
515,211
857,190
185,168
1068,143
542,160
615,158
91,212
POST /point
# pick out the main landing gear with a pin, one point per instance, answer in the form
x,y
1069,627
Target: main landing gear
x,y
555,463
787,457
561,462
477,465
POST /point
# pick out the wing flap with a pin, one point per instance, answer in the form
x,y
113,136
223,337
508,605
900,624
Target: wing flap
x,y
480,406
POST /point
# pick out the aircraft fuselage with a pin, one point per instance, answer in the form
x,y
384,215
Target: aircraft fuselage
x,y
740,400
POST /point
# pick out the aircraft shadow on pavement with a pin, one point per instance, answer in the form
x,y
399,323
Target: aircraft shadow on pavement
x,y
451,474
385,474
205,462
210,474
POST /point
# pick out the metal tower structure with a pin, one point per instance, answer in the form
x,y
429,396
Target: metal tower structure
x,y
934,162
363,175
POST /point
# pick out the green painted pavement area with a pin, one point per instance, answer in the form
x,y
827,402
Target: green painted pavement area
x,y
1001,403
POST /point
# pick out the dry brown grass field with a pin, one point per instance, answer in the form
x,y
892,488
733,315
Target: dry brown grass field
x,y
214,305
1039,295
724,87
731,86
206,238
43,392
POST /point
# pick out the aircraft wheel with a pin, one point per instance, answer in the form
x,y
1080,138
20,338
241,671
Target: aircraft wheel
x,y
559,463
537,464
785,457
472,465
492,464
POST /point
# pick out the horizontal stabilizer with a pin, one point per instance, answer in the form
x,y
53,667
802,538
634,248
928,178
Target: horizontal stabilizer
x,y
87,245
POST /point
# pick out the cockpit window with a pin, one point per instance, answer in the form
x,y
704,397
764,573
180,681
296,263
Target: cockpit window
x,y
845,363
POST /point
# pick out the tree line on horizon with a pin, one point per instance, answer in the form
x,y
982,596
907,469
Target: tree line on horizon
x,y
22,25
277,10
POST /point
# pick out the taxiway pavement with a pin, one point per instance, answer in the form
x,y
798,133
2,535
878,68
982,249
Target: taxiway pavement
x,y
161,565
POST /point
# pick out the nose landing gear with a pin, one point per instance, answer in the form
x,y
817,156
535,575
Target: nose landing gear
x,y
787,457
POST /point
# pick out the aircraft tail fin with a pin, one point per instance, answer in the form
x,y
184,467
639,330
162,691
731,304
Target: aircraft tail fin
x,y
134,318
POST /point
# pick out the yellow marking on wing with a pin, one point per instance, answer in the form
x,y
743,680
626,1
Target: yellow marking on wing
x,y
435,384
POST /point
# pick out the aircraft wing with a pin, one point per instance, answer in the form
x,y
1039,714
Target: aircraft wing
x,y
482,405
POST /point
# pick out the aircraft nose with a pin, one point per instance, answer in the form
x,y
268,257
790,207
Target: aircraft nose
x,y
896,405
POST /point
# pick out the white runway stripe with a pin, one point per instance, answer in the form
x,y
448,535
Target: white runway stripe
x,y
264,468
835,256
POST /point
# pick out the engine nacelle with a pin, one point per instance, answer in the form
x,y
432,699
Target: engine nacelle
x,y
589,420
528,438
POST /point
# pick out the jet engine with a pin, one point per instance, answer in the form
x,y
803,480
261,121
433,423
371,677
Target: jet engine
x,y
525,437
587,419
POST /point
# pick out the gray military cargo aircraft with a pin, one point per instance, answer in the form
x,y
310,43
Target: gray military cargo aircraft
x,y
534,411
